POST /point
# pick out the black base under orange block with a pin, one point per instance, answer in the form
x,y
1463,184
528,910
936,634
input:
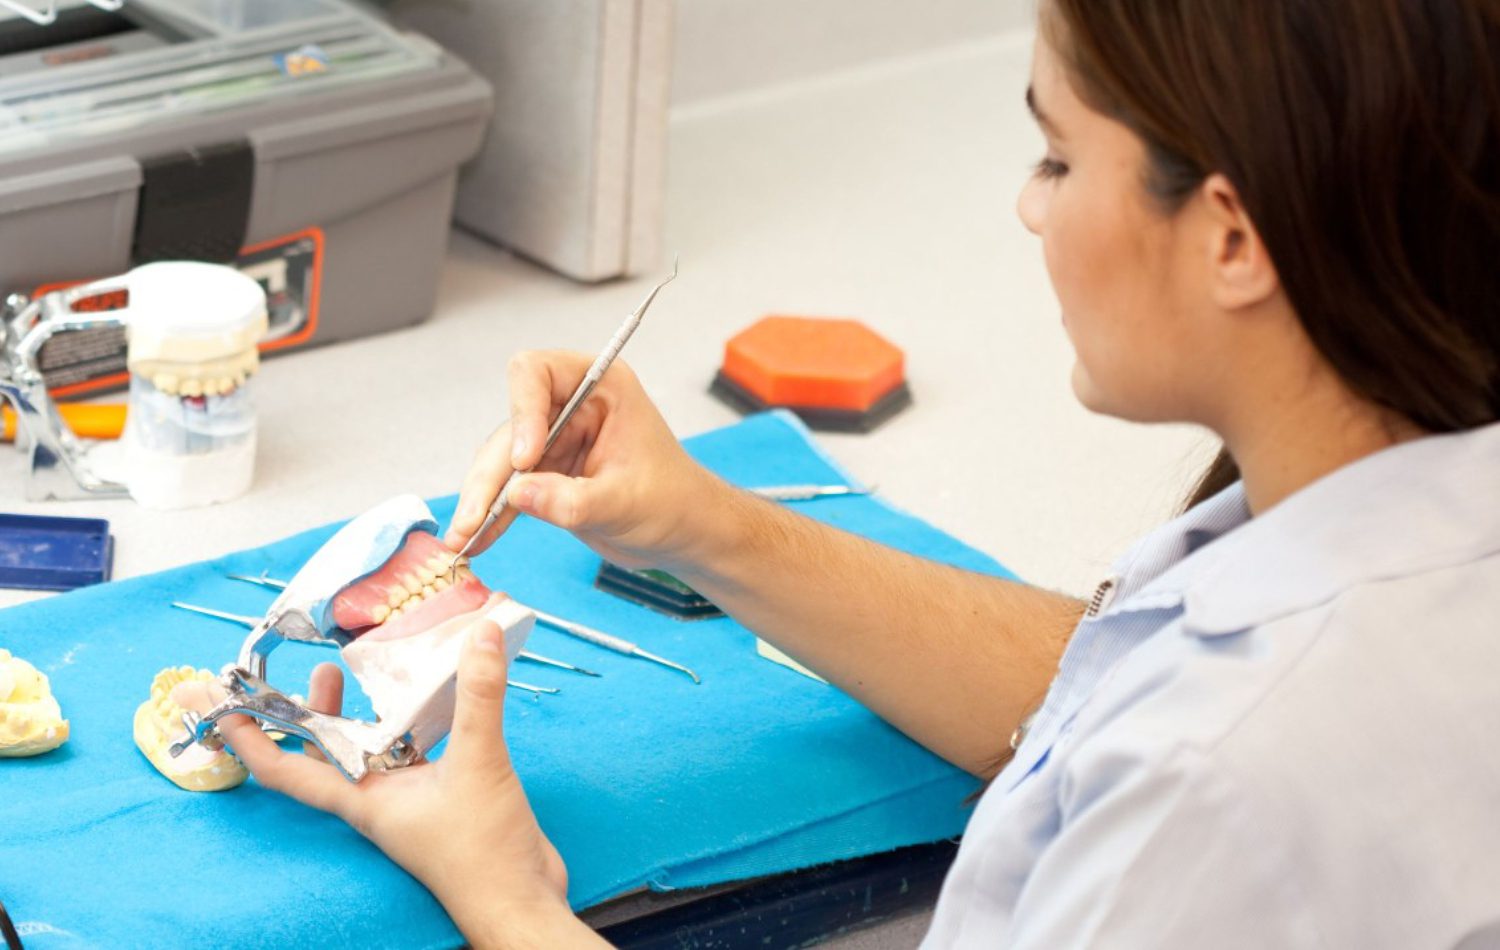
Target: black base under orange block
x,y
657,590
816,417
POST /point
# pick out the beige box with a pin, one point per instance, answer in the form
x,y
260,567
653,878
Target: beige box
x,y
571,174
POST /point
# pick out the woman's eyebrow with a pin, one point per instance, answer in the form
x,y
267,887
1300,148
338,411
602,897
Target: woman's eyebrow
x,y
1040,116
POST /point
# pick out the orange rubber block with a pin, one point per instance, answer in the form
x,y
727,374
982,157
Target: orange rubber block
x,y
836,374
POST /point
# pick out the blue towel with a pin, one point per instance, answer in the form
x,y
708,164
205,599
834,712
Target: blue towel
x,y
640,778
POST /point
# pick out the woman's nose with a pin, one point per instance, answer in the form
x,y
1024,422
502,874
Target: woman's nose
x,y
1031,205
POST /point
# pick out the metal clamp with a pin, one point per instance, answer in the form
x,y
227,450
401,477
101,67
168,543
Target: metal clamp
x,y
58,466
355,747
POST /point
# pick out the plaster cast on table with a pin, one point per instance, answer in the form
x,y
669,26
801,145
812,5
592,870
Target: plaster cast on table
x,y
31,720
158,724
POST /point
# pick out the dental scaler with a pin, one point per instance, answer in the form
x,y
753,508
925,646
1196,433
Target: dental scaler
x,y
585,387
380,592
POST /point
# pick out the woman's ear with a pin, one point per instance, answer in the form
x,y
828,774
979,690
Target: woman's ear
x,y
1241,272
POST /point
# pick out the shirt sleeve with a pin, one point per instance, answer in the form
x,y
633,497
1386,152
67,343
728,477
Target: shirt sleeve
x,y
1160,851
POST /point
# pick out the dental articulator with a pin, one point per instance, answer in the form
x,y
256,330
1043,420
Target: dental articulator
x,y
406,661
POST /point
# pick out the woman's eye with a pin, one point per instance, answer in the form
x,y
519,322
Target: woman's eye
x,y
1049,168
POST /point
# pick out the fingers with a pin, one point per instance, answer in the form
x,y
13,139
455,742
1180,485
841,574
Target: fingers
x,y
309,781
481,485
540,384
568,503
478,735
325,694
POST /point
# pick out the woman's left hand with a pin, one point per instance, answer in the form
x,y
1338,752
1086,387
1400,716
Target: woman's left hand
x,y
461,824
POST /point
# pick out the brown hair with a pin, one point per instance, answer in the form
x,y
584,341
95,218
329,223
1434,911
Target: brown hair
x,y
1363,137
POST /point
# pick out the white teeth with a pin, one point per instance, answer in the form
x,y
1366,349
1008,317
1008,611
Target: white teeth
x,y
412,585
426,574
191,387
395,613
440,583
427,591
381,613
395,597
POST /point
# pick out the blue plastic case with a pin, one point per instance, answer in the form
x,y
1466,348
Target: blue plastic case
x,y
38,553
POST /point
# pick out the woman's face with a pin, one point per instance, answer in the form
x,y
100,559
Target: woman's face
x,y
1125,272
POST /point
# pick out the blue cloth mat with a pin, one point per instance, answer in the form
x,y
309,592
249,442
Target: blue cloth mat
x,y
640,778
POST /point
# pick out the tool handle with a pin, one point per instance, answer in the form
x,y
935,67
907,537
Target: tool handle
x,y
589,634
803,492
87,420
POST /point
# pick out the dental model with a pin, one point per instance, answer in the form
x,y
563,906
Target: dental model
x,y
31,721
376,591
410,618
158,724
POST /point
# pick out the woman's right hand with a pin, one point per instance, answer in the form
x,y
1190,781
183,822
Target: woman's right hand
x,y
616,477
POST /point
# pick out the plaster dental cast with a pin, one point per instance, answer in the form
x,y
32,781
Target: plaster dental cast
x,y
1274,722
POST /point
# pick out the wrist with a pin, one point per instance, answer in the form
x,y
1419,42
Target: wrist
x,y
717,533
517,916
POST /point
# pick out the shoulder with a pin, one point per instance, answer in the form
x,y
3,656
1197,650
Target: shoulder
x,y
1351,740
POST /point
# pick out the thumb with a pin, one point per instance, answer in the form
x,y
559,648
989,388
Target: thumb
x,y
568,503
478,734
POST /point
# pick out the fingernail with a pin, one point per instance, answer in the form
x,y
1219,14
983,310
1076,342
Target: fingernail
x,y
489,639
518,450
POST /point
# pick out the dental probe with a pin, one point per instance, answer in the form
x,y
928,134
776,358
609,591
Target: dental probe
x,y
537,690
806,492
585,387
607,641
250,622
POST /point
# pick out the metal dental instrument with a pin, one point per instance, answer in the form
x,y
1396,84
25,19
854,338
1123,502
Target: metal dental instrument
x,y
264,580
608,641
806,492
535,690
251,622
559,664
410,684
585,387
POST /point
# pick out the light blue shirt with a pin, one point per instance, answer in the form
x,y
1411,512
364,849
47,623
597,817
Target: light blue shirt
x,y
1274,732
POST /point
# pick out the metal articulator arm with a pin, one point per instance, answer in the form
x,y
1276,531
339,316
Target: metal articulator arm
x,y
57,466
354,747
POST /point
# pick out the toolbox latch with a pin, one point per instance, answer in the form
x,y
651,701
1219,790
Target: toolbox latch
x,y
194,204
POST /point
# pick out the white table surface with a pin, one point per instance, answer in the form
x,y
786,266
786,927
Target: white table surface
x,y
885,194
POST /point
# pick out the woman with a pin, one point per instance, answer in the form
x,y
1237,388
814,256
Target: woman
x,y
1274,724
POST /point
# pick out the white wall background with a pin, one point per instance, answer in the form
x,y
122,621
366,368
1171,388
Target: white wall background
x,y
728,47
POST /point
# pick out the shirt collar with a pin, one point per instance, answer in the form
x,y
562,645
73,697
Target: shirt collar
x,y
1415,507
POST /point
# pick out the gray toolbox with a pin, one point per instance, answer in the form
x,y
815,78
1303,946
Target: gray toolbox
x,y
304,140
